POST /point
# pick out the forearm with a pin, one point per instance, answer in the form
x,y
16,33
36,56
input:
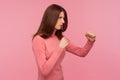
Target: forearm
x,y
82,52
85,50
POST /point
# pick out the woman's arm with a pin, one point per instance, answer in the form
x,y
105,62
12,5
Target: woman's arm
x,y
82,52
45,65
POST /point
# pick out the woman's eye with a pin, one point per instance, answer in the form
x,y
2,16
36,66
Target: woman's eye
x,y
60,17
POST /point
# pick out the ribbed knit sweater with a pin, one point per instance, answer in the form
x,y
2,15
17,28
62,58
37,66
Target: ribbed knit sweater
x,y
49,56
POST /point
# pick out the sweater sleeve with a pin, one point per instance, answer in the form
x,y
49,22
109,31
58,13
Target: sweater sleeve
x,y
82,52
45,65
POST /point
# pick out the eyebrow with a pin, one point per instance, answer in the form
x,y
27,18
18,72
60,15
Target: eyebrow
x,y
61,16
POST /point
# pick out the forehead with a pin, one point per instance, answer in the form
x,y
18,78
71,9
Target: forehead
x,y
61,14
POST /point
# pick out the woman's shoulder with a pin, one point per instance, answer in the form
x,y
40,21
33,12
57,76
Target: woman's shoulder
x,y
38,38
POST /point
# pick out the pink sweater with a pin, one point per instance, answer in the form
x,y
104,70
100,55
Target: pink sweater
x,y
49,55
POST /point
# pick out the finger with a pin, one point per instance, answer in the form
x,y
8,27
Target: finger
x,y
90,35
91,39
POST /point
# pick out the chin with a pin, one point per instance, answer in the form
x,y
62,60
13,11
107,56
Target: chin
x,y
58,29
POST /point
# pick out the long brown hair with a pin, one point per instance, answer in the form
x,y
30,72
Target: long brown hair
x,y
49,21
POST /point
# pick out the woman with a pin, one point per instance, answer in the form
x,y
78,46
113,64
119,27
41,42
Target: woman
x,y
49,44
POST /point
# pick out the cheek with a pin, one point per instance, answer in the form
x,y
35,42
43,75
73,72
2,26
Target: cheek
x,y
57,24
57,27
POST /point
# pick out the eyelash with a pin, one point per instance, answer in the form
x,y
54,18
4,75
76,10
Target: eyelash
x,y
60,18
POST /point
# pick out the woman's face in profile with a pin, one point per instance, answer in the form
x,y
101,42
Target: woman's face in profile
x,y
60,21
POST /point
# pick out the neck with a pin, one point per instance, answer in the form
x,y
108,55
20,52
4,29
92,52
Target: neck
x,y
53,34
